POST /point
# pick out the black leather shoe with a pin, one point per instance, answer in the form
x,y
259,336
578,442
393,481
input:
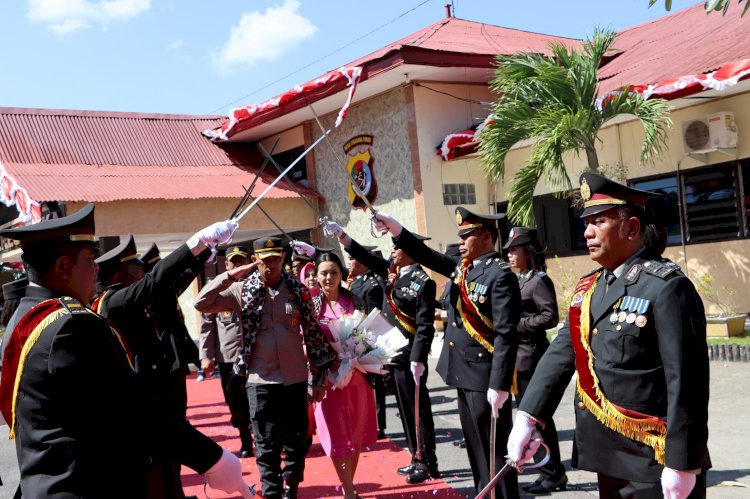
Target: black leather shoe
x,y
381,435
422,475
547,486
290,491
246,452
407,470
246,438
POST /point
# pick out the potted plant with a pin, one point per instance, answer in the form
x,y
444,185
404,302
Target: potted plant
x,y
727,322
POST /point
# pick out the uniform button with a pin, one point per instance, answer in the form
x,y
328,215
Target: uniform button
x,y
153,366
595,331
454,324
480,355
618,327
452,345
581,406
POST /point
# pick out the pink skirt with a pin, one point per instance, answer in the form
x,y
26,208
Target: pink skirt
x,y
345,418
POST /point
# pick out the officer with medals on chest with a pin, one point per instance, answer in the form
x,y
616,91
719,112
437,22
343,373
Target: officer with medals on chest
x,y
636,337
69,389
479,350
409,304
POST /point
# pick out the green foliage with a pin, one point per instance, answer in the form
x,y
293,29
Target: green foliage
x,y
721,297
711,5
552,100
735,340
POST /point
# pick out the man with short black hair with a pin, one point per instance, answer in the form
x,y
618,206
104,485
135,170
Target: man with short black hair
x,y
636,336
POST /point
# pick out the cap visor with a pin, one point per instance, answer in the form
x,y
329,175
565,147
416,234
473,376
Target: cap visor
x,y
269,254
593,210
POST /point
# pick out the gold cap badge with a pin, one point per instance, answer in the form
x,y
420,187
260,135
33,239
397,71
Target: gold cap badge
x,y
585,190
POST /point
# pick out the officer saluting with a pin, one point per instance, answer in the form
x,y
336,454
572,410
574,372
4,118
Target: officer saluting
x,y
409,304
479,350
636,336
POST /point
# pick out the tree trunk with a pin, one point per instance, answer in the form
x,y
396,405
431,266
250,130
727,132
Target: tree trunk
x,y
592,158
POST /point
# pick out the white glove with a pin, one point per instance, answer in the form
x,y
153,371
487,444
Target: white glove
x,y
496,399
213,235
676,484
332,229
417,370
226,475
302,248
386,223
521,447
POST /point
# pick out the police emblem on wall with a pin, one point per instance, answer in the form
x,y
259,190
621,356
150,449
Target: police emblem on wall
x,y
360,166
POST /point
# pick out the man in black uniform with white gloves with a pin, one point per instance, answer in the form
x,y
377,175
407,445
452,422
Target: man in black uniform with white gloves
x,y
479,349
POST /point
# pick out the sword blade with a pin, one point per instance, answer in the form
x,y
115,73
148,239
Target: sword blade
x,y
491,484
278,179
289,182
416,423
493,449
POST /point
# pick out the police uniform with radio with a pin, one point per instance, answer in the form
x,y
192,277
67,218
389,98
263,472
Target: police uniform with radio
x,y
479,349
636,336
409,304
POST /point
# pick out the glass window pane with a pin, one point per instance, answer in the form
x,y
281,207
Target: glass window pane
x,y
668,189
711,204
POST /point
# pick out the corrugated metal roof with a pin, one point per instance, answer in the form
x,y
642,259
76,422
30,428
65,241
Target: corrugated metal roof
x,y
682,43
93,156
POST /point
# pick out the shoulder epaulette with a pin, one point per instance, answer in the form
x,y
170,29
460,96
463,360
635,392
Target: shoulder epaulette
x,y
502,263
421,274
660,269
73,306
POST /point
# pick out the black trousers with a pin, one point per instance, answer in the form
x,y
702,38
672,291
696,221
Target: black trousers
x,y
475,414
405,396
279,417
380,400
554,468
616,488
235,395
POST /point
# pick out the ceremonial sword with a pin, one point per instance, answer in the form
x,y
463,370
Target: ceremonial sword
x,y
249,190
291,184
357,191
508,466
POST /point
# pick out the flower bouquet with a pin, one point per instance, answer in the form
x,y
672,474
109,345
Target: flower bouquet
x,y
366,343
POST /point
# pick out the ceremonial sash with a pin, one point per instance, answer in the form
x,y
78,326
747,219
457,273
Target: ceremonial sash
x,y
634,425
478,326
407,322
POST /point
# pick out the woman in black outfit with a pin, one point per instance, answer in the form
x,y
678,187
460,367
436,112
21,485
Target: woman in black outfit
x,y
538,314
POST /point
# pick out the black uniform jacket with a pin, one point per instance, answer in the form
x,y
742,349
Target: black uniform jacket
x,y
660,369
464,362
369,289
538,313
414,295
130,309
78,400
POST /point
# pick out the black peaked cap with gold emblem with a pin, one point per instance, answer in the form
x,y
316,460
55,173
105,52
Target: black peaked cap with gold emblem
x,y
523,235
600,194
15,290
468,221
266,247
123,253
75,228
233,251
150,258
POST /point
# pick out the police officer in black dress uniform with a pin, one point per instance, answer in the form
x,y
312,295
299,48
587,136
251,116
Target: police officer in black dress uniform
x,y
409,304
133,300
538,314
82,425
369,288
636,336
479,350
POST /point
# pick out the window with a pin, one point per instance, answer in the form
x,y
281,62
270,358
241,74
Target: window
x,y
710,207
668,189
459,194
284,159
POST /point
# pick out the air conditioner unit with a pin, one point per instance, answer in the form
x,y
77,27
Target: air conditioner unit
x,y
715,131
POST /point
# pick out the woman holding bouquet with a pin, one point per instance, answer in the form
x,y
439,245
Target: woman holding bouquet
x,y
346,416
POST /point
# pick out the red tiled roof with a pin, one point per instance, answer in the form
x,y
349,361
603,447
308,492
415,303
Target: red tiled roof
x,y
450,42
682,43
62,155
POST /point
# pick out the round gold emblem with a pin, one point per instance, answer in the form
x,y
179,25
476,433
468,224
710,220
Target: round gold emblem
x,y
269,244
459,218
585,190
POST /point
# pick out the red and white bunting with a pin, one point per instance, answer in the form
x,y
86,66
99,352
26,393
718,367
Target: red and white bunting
x,y
245,113
13,194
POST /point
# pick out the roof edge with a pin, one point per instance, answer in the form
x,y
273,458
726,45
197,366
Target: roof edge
x,y
103,114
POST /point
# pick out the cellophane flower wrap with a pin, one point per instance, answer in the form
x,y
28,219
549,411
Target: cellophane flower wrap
x,y
365,343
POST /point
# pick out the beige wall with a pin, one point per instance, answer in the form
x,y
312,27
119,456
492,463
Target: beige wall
x,y
385,118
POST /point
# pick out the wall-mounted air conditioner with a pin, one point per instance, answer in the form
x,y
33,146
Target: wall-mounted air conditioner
x,y
715,131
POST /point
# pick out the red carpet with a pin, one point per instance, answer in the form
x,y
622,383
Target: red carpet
x,y
376,473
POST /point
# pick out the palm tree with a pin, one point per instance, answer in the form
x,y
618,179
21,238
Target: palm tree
x,y
552,100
